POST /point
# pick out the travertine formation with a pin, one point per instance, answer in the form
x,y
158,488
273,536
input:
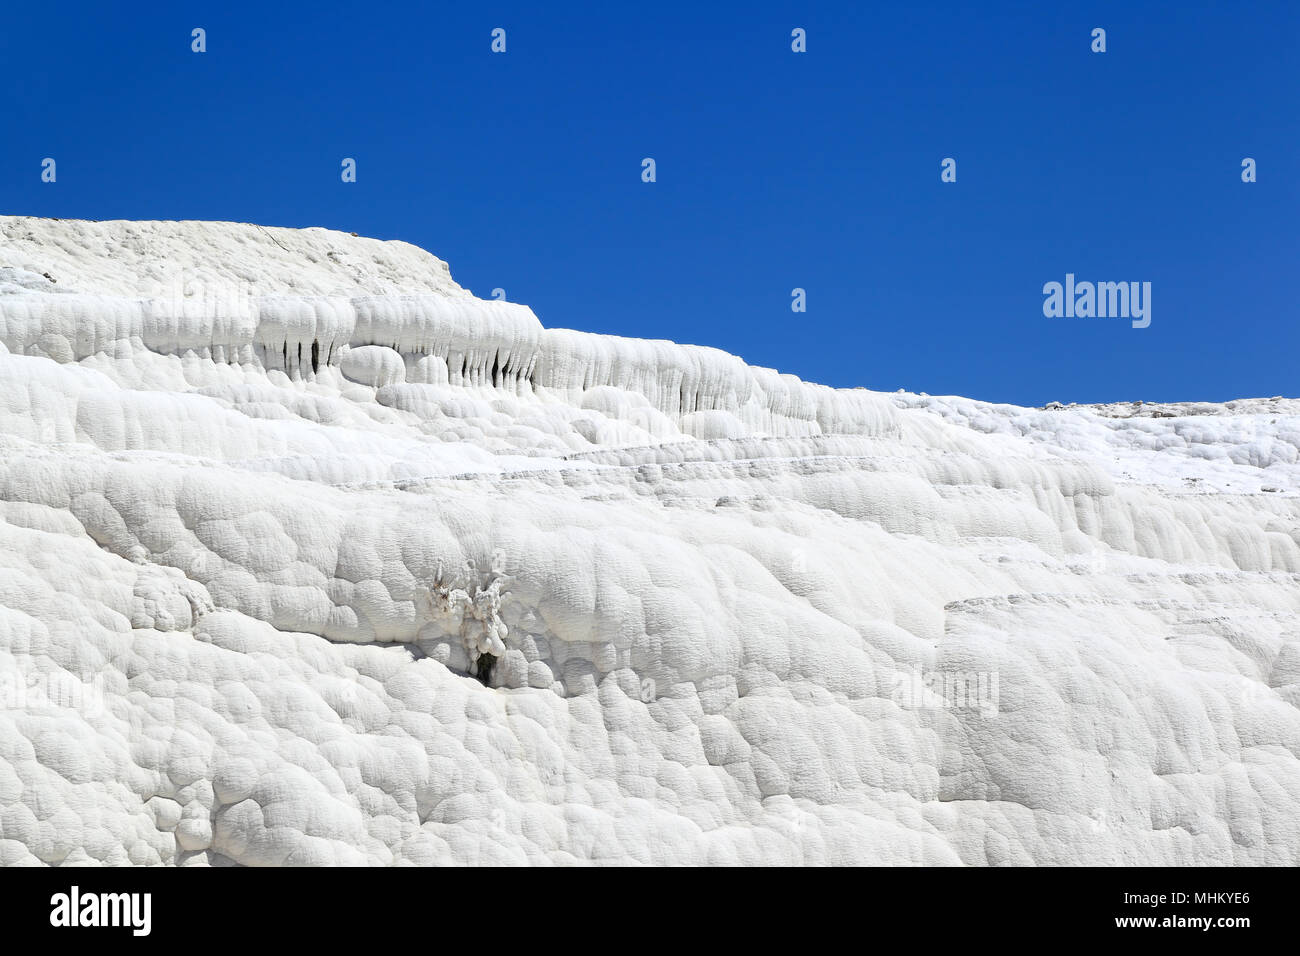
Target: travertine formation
x,y
307,555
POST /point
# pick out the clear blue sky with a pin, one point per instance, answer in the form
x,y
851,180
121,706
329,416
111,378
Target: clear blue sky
x,y
775,170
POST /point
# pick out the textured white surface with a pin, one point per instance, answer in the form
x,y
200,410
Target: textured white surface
x,y
242,592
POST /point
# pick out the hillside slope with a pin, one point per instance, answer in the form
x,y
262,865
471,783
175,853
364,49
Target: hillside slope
x,y
307,555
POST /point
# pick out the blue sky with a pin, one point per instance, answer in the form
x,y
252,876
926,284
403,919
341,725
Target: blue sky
x,y
775,170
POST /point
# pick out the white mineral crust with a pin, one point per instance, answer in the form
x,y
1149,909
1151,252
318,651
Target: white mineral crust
x,y
273,501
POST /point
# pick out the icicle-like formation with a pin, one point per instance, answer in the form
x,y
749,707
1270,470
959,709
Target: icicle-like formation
x,y
213,289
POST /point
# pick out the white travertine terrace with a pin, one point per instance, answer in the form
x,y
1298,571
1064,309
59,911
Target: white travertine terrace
x,y
307,555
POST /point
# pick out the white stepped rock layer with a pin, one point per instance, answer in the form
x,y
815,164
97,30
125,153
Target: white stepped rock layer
x,y
454,588
295,301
